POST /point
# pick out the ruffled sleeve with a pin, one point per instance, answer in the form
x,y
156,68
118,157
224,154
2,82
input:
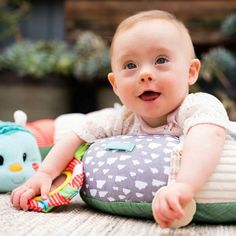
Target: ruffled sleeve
x,y
202,108
104,123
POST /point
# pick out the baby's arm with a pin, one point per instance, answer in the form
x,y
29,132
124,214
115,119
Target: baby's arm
x,y
53,165
202,149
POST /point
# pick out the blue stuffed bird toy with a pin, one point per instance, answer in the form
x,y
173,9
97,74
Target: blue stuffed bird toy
x,y
19,155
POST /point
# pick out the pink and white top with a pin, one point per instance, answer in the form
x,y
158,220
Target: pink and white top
x,y
197,108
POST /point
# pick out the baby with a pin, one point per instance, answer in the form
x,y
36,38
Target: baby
x,y
153,65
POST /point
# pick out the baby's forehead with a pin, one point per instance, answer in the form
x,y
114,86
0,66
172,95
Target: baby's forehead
x,y
167,27
161,26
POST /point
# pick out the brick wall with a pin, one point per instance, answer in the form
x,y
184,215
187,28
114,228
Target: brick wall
x,y
203,18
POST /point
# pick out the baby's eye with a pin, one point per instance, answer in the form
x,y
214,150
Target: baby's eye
x,y
1,160
130,66
161,60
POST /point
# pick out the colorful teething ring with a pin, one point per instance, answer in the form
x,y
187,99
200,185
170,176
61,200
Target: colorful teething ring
x,y
67,190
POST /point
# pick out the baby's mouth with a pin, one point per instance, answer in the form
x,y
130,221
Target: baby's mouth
x,y
149,96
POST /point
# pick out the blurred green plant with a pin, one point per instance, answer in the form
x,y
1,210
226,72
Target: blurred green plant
x,y
218,71
228,27
87,59
92,55
12,12
218,63
37,59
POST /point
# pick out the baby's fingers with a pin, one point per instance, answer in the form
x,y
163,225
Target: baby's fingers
x,y
25,197
16,196
176,208
162,213
45,189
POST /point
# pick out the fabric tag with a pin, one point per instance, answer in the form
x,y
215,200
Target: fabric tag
x,y
120,146
233,134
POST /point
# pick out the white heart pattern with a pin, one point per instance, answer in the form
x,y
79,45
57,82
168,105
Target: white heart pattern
x,y
154,145
93,192
101,163
135,162
154,156
139,195
154,170
120,167
105,171
125,157
140,184
147,161
100,183
100,153
111,160
126,191
102,193
120,178
157,183
133,176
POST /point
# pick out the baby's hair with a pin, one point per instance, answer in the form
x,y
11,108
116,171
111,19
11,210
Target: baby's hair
x,y
153,15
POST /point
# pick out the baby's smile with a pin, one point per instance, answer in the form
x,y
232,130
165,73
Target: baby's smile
x,y
149,95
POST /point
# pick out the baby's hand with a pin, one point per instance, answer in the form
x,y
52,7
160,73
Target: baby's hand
x,y
168,204
40,182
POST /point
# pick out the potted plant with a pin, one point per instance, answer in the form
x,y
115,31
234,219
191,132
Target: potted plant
x,y
74,71
12,13
218,72
92,64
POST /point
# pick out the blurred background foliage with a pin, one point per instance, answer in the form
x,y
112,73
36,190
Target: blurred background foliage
x,y
218,71
12,13
87,59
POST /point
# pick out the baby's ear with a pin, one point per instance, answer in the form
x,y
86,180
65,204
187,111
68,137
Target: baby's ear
x,y
194,71
112,80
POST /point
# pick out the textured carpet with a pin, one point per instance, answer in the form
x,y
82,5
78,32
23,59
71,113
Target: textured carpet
x,y
77,219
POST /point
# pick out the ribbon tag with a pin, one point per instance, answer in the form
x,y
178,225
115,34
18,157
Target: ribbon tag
x,y
233,134
120,146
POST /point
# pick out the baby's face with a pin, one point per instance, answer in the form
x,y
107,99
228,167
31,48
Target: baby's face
x,y
151,69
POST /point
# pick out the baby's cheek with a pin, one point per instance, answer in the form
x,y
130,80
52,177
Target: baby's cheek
x,y
35,166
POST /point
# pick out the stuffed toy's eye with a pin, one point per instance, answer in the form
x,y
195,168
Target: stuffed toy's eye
x,y
1,160
24,156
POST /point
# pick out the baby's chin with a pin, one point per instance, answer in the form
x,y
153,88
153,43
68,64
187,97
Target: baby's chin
x,y
154,120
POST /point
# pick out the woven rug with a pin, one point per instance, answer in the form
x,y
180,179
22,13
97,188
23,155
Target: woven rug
x,y
78,219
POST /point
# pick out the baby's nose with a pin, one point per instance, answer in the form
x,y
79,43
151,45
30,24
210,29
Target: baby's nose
x,y
146,74
146,79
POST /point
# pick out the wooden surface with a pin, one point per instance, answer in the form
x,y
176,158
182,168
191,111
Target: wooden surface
x,y
203,18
